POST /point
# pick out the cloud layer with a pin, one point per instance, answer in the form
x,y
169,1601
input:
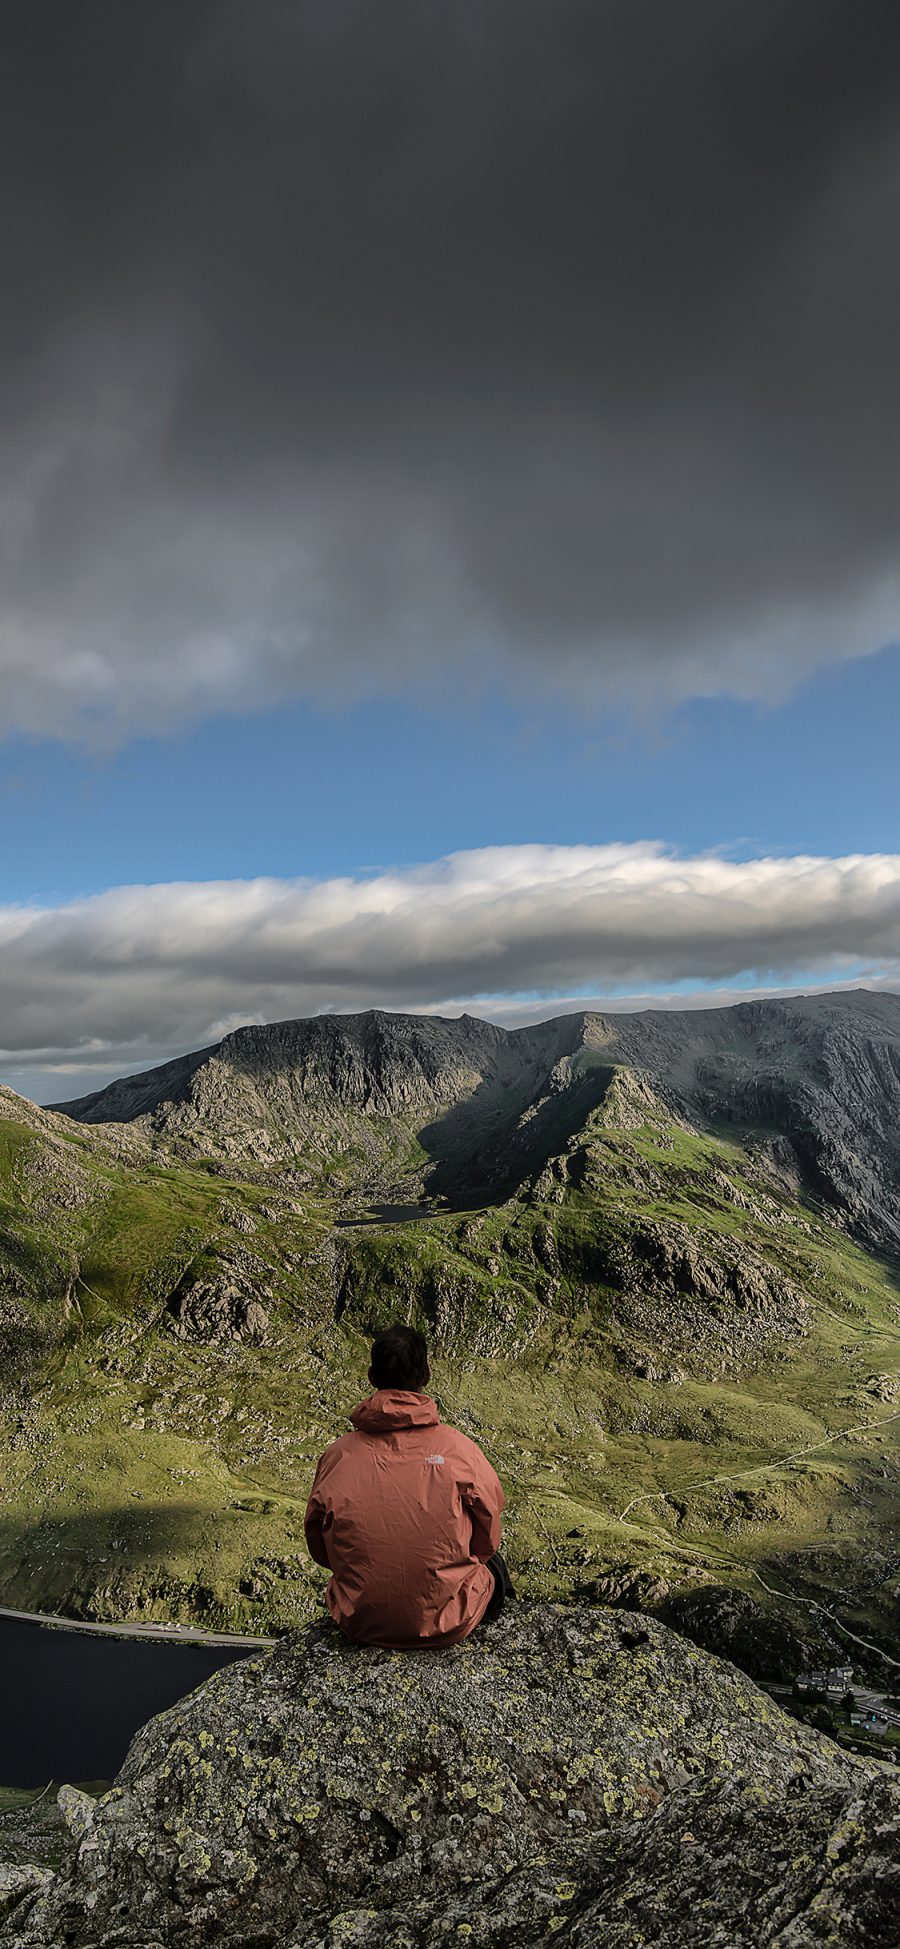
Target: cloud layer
x,y
138,973
355,349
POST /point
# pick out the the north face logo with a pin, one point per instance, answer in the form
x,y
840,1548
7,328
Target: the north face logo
x,y
437,1460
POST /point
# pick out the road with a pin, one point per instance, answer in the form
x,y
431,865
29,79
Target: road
x,y
160,1633
867,1700
875,1701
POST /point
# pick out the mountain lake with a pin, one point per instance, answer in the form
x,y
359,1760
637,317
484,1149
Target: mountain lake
x,y
71,1703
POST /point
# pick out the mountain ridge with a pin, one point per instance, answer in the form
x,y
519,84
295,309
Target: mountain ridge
x,y
440,1106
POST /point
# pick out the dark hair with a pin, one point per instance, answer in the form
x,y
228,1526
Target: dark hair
x,y
399,1359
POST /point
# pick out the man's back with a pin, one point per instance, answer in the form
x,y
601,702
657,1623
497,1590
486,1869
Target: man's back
x,y
405,1512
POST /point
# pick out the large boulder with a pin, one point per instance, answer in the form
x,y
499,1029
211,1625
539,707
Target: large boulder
x,y
19,1879
582,1775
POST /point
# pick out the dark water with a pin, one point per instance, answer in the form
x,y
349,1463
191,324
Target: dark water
x,y
390,1215
70,1703
414,1214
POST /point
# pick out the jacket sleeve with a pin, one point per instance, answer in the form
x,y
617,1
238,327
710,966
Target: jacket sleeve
x,y
484,1500
314,1524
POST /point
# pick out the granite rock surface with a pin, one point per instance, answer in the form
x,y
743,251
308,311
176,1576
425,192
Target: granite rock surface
x,y
578,1775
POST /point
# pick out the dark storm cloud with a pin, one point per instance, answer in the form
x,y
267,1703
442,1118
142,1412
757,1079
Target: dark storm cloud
x,y
348,346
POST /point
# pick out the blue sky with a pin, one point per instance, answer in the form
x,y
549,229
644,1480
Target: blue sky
x,y
315,791
387,855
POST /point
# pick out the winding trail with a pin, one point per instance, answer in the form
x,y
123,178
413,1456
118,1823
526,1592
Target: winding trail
x,y
758,1468
812,1604
715,1556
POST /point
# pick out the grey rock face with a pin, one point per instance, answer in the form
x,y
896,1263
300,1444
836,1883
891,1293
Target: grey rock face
x,y
581,1774
812,1082
77,1809
730,1302
17,1880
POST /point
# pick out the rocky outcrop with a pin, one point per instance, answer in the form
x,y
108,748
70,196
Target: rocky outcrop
x,y
580,1775
712,1300
17,1881
216,1310
78,1810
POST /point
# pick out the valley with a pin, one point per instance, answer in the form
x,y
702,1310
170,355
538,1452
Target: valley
x,y
675,1331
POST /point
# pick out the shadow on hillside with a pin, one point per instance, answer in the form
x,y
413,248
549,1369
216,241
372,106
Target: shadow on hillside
x,y
70,1557
34,1263
482,1149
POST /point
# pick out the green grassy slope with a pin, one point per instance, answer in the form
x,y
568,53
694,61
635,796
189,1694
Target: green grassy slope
x,y
678,1369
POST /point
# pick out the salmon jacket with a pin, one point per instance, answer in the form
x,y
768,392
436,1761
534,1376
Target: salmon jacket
x,y
405,1512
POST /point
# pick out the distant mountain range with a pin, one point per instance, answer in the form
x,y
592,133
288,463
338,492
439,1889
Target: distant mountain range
x,y
401,1106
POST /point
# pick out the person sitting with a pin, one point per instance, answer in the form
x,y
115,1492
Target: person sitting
x,y
405,1513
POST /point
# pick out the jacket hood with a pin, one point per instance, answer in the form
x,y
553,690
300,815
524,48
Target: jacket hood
x,y
394,1407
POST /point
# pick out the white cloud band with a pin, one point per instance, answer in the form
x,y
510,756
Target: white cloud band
x,y
136,973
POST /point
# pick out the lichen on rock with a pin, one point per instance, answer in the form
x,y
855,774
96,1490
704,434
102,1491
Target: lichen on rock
x,y
582,1774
